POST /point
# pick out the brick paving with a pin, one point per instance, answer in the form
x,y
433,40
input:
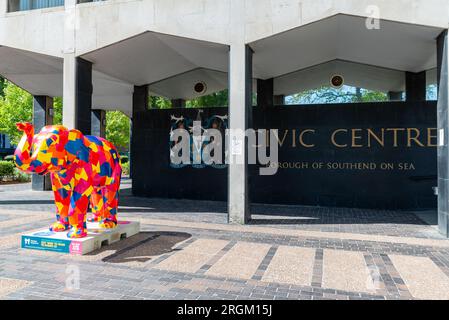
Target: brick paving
x,y
137,268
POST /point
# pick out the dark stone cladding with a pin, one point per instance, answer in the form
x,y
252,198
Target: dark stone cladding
x,y
41,118
388,189
98,119
84,90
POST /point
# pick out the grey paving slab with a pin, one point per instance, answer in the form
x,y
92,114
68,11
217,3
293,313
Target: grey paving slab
x,y
134,268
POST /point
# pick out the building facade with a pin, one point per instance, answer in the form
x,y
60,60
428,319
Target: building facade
x,y
110,55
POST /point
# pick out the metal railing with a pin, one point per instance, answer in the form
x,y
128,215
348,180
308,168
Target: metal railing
x,y
24,5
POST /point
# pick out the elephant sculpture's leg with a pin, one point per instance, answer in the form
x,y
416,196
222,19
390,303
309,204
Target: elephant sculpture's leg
x,y
77,217
110,199
62,202
79,202
97,205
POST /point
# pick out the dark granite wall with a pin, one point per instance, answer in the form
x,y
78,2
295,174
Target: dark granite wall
x,y
399,177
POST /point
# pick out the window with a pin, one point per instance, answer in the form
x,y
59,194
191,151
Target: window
x,y
24,5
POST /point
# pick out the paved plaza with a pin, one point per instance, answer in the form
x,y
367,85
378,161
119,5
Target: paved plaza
x,y
186,250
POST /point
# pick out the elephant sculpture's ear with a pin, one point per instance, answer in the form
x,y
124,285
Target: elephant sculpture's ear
x,y
75,146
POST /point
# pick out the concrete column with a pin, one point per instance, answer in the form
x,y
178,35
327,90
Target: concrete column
x,y
443,136
279,100
69,70
240,110
42,116
178,103
137,161
395,95
265,98
69,89
4,6
98,123
415,86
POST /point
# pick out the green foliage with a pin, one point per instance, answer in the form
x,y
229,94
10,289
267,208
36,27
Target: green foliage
x,y
2,86
372,96
217,99
117,129
57,110
125,169
20,176
159,102
332,95
7,169
15,106
9,172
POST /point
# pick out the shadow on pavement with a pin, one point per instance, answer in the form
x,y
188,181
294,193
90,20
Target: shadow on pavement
x,y
143,247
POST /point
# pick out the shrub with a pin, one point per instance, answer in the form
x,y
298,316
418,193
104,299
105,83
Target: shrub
x,y
20,176
7,169
125,169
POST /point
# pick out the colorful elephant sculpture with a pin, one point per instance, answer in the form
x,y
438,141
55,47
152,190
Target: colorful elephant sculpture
x,y
83,170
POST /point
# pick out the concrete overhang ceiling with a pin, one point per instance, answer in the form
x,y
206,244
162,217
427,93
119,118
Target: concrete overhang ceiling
x,y
36,73
397,46
183,86
43,75
151,57
354,74
111,94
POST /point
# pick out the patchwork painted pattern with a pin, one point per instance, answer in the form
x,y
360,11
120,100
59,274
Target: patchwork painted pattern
x,y
84,170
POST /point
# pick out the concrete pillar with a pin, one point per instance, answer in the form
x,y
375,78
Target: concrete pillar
x,y
98,123
279,100
7,6
240,118
137,161
69,89
265,98
42,116
395,95
69,69
178,103
443,136
415,86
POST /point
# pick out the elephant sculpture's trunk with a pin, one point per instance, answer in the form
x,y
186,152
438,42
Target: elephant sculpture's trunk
x,y
22,155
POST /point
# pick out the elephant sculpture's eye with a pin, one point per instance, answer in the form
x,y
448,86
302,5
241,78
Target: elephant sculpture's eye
x,y
50,140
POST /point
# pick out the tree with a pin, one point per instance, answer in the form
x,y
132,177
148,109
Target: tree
x,y
117,129
16,105
332,95
159,102
3,82
57,110
217,99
